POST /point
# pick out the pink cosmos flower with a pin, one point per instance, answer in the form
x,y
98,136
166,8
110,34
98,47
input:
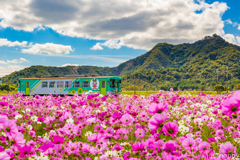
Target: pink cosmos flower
x,y
140,133
227,149
4,156
204,146
118,147
17,140
189,144
127,119
94,137
169,147
3,119
231,106
236,95
219,133
126,155
10,128
98,127
157,121
170,128
158,108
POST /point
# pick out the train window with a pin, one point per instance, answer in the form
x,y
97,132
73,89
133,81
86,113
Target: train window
x,y
60,84
27,85
44,84
52,84
120,81
103,84
68,84
76,84
112,82
85,84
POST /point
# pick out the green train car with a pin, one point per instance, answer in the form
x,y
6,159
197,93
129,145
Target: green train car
x,y
70,85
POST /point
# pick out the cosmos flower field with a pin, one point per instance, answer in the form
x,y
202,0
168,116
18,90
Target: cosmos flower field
x,y
168,126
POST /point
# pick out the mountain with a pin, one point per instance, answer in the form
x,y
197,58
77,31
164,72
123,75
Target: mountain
x,y
180,66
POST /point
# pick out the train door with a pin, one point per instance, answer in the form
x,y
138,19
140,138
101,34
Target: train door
x,y
117,87
27,88
103,88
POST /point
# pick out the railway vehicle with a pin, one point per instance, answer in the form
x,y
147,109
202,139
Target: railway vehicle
x,y
70,85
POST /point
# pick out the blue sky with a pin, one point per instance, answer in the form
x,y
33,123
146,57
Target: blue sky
x,y
105,33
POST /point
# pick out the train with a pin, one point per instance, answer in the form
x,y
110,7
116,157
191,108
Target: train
x,y
70,85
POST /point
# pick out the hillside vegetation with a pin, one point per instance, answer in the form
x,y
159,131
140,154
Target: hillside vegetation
x,y
183,66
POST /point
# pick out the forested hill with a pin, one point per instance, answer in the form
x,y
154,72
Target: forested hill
x,y
180,66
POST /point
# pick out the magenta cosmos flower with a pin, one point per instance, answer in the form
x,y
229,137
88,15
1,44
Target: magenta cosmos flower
x,y
228,149
138,146
158,108
231,106
157,121
170,129
25,151
57,140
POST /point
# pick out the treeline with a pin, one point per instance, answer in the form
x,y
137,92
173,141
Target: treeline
x,y
6,87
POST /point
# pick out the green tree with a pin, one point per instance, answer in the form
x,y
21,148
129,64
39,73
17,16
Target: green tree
x,y
220,88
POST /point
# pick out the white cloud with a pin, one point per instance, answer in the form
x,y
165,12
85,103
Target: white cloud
x,y
5,42
238,39
3,62
137,24
68,64
12,61
228,21
15,61
112,44
48,48
23,60
97,46
9,69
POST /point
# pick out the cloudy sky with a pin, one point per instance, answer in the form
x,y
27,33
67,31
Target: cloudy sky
x,y
105,32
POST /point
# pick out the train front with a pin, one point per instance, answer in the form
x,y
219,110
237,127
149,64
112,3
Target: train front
x,y
114,85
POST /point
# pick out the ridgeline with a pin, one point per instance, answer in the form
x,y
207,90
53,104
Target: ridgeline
x,y
183,66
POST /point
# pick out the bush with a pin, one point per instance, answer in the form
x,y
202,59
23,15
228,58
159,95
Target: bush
x,y
131,88
220,88
237,86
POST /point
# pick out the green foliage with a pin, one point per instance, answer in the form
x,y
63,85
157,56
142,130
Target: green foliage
x,y
131,88
219,87
237,86
5,87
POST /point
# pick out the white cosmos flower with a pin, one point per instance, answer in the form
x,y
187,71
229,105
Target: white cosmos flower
x,y
70,120
18,116
28,110
29,127
34,118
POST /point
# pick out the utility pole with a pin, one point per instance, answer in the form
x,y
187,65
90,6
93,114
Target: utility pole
x,y
217,80
227,79
134,85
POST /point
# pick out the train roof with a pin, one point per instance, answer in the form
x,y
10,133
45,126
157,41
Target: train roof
x,y
71,77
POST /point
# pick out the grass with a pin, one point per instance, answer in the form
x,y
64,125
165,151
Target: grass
x,y
2,93
147,93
